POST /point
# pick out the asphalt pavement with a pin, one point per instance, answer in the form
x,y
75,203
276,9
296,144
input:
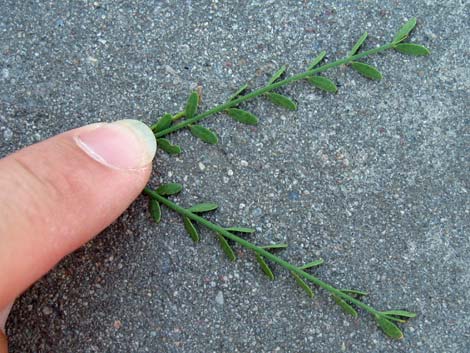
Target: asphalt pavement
x,y
373,179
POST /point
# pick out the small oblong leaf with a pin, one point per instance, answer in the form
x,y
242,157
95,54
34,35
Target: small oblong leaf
x,y
412,49
240,230
163,123
168,147
405,30
191,229
366,70
277,74
402,313
281,100
354,291
323,83
303,285
204,134
155,210
358,44
274,246
169,189
394,318
348,309
312,264
238,92
389,327
226,248
316,60
242,116
191,105
264,266
203,207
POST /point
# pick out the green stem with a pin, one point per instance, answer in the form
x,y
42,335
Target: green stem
x,y
267,88
259,250
178,116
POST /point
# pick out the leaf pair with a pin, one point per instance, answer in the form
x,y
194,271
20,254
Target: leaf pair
x,y
198,208
226,246
163,143
321,82
279,99
162,190
408,48
199,131
262,262
347,308
385,318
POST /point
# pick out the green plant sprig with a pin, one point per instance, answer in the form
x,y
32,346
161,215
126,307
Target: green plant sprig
x,y
368,71
345,298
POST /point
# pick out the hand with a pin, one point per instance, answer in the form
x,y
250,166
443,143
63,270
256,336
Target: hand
x,y
58,194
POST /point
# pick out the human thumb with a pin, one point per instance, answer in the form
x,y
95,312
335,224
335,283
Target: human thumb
x,y
58,194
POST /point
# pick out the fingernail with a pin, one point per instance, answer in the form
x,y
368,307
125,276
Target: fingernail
x,y
124,144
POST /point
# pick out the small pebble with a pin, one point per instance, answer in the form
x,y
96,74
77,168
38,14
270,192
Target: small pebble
x,y
47,310
219,298
202,166
257,212
117,324
7,134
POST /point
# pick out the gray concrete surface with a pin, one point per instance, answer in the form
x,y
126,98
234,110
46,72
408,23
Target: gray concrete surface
x,y
373,179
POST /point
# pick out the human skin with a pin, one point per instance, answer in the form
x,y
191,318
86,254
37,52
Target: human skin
x,y
58,194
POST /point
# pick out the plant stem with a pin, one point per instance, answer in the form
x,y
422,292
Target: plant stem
x,y
178,116
267,88
259,250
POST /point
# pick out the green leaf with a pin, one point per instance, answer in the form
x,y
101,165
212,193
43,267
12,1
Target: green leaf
x,y
366,70
281,100
240,230
354,291
358,44
164,123
412,49
203,207
168,147
277,74
389,327
191,105
402,313
204,134
238,92
316,60
323,83
191,229
242,116
302,284
169,189
405,30
265,267
226,248
155,210
394,318
348,309
312,264
274,246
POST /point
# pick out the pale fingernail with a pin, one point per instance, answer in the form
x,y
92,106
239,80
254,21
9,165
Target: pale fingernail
x,y
124,144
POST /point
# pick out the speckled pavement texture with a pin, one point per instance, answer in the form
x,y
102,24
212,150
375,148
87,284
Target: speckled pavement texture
x,y
373,179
